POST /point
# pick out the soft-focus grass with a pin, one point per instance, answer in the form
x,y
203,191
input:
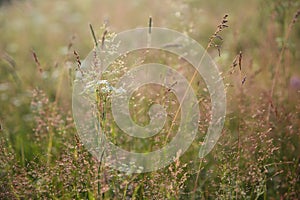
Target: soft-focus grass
x,y
254,157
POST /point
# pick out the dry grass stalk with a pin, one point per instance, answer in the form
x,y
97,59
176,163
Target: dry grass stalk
x,y
36,60
93,34
150,24
220,28
216,34
71,43
9,59
278,62
244,80
78,62
240,60
103,38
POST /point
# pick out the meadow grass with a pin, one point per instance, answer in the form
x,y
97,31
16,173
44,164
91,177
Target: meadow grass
x,y
257,157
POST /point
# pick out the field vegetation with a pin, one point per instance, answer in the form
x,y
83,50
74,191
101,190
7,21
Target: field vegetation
x,y
257,52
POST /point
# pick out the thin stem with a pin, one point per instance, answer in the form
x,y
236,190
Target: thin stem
x,y
278,62
197,179
185,93
220,27
239,125
49,146
93,34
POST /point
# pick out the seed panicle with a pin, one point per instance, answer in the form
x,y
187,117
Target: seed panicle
x,y
78,62
93,34
36,60
216,34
